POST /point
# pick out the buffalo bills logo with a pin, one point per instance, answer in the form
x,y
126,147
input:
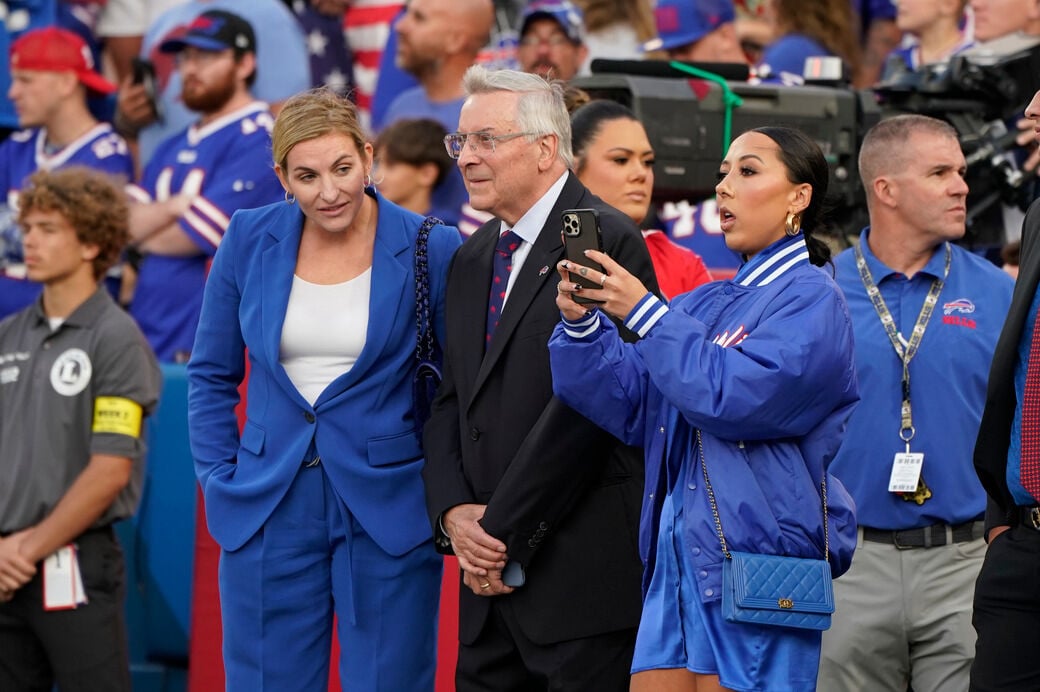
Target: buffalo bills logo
x,y
961,305
727,338
205,25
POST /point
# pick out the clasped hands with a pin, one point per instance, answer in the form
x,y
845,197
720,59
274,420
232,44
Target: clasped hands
x,y
482,557
619,292
15,569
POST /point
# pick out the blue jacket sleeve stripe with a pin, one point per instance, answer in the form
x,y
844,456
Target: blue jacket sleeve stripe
x,y
802,257
645,314
582,328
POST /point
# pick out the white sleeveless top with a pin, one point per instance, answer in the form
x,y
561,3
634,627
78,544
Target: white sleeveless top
x,y
324,331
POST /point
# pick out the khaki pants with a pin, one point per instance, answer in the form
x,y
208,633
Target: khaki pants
x,y
903,615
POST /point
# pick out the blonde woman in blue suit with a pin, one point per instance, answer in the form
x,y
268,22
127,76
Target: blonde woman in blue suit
x,y
318,505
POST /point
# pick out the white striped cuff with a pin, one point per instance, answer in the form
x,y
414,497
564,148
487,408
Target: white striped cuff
x,y
645,314
582,328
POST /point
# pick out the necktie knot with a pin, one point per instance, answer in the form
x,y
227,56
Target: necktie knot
x,y
508,242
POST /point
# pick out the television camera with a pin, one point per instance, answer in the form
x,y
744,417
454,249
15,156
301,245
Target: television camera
x,y
685,120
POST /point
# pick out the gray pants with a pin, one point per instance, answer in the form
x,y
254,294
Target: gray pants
x,y
902,616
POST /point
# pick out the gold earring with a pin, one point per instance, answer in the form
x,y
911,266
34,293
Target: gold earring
x,y
793,226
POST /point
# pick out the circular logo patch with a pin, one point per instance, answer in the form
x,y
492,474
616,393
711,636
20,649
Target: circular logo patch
x,y
70,373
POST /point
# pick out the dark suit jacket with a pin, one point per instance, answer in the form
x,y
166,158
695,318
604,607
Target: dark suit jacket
x,y
562,494
991,446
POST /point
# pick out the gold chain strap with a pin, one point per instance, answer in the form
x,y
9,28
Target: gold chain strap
x,y
711,497
718,519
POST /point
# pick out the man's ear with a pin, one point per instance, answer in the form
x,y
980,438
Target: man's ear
x,y
246,66
548,147
89,251
884,191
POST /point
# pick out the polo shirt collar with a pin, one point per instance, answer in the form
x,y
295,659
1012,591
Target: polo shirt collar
x,y
88,312
935,268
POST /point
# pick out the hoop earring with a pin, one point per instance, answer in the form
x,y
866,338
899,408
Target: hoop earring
x,y
793,226
368,180
290,198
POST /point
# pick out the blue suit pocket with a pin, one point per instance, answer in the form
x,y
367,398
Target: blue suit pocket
x,y
383,451
253,438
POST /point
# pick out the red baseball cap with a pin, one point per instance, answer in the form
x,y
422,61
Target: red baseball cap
x,y
56,50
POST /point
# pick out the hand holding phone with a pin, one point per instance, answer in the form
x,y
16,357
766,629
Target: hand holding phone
x,y
581,232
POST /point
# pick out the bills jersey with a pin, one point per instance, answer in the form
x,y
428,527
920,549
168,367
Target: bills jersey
x,y
222,166
21,155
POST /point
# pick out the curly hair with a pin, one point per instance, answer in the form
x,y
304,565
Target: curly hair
x,y
830,22
92,202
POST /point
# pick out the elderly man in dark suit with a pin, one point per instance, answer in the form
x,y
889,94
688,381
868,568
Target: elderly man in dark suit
x,y
1007,459
540,505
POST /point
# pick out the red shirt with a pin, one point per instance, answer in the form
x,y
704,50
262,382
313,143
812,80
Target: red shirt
x,y
678,269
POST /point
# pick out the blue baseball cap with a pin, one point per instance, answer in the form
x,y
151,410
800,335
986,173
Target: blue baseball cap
x,y
564,12
682,22
213,30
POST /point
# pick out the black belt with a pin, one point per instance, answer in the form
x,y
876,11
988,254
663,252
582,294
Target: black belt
x,y
927,536
1029,517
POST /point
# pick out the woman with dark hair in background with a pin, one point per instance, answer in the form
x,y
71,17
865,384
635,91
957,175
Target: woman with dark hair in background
x,y
739,392
806,30
614,159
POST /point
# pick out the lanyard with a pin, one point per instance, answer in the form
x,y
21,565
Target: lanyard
x,y
909,350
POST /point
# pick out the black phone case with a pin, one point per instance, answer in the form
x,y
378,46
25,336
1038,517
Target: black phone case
x,y
580,233
142,69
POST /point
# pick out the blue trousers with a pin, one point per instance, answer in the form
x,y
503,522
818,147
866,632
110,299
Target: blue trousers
x,y
310,560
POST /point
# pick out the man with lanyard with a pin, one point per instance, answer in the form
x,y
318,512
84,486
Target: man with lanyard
x,y
926,314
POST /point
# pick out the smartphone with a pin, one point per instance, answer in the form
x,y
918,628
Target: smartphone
x,y
144,73
580,233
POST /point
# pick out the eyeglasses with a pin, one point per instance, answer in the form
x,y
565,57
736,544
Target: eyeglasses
x,y
482,142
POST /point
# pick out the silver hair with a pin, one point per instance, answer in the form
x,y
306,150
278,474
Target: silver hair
x,y
541,107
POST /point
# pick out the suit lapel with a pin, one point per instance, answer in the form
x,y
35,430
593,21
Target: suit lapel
x,y
278,266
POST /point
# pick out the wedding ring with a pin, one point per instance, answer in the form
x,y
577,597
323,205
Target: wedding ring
x,y
486,585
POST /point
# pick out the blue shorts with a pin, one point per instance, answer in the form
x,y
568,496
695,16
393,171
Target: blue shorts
x,y
679,630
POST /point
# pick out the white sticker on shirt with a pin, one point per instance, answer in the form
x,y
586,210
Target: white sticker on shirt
x,y
71,372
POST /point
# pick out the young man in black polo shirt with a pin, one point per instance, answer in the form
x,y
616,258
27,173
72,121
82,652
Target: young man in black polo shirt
x,y
77,380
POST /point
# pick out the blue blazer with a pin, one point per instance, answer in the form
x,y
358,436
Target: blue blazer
x,y
362,425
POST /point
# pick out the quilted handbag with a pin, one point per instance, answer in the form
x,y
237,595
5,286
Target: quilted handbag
x,y
777,590
774,590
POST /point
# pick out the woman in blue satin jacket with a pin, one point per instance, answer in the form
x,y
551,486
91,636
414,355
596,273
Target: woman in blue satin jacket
x,y
748,382
319,505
